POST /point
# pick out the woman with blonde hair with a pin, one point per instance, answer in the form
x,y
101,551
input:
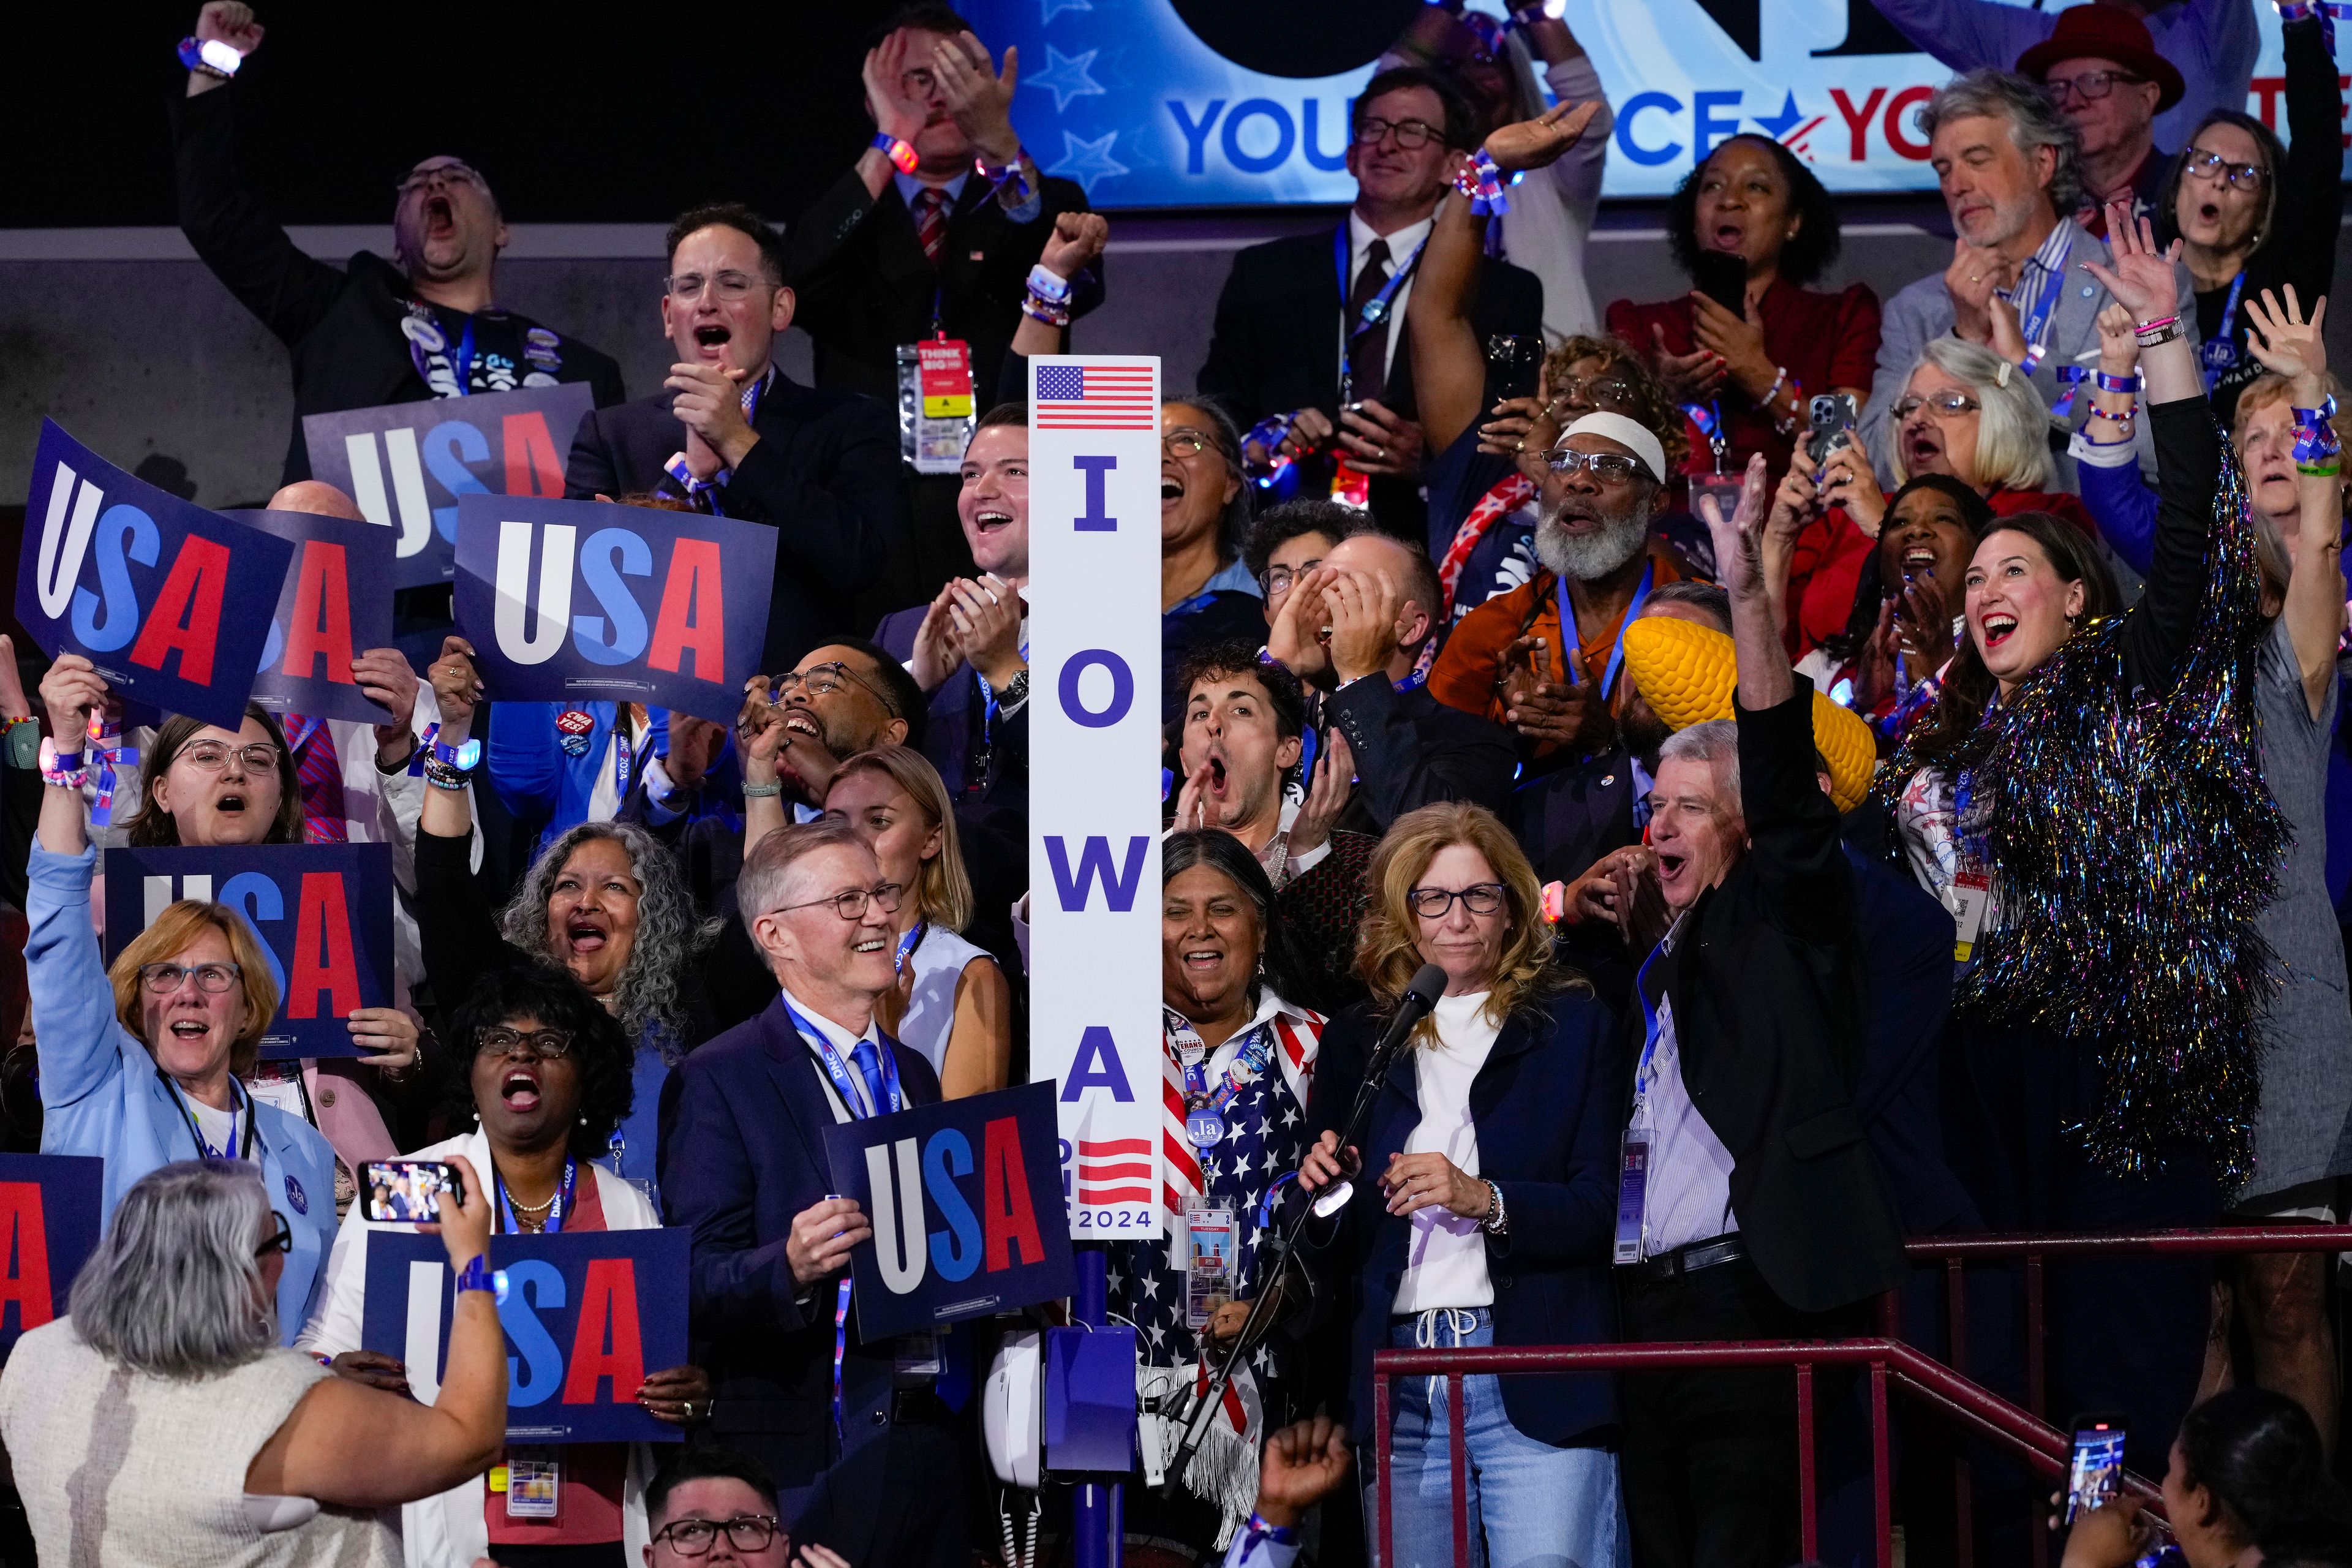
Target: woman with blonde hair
x,y
952,1002
1491,1219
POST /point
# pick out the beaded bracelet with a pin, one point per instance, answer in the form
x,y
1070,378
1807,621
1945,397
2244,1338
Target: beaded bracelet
x,y
1053,312
2126,418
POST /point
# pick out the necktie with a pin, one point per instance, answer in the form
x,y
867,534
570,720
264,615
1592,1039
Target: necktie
x,y
319,772
1368,351
931,222
869,1062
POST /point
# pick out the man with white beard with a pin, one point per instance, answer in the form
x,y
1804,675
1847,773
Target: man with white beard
x,y
1601,489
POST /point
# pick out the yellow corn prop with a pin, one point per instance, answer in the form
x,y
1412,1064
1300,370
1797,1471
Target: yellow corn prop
x,y
1687,673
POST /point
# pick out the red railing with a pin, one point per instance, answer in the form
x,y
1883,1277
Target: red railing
x,y
1943,1390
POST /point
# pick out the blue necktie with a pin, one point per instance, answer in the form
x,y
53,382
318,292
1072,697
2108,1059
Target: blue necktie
x,y
869,1066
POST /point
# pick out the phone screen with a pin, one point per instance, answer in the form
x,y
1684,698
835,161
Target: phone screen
x,y
1514,366
2096,1470
1722,277
407,1190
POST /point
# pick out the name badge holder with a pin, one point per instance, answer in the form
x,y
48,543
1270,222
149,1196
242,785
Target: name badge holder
x,y
535,1486
936,404
1970,896
1632,1186
1212,1259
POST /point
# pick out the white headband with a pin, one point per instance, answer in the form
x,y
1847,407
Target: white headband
x,y
1624,432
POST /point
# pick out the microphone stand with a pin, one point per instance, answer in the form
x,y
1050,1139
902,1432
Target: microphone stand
x,y
1418,999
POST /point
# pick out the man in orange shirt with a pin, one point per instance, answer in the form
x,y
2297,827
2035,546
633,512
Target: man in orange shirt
x,y
1603,486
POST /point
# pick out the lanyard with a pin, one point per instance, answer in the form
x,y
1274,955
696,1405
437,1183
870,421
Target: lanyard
x,y
556,1211
705,494
1653,1030
907,945
105,736
2219,352
1375,309
2034,321
1617,650
1192,1055
204,1149
1708,417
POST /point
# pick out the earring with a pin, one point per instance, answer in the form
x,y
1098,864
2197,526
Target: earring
x,y
583,1121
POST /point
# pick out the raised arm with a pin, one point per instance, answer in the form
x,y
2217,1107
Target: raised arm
x,y
2311,193
2295,349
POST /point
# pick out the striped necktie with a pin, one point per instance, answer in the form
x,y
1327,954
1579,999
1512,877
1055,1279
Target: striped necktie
x,y
931,222
319,773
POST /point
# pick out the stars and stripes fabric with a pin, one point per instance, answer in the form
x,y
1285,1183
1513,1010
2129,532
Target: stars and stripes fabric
x,y
1095,397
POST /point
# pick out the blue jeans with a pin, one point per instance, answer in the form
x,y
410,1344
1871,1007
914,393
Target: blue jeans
x,y
1531,1505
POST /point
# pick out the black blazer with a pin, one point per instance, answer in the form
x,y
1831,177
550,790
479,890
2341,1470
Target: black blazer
x,y
824,475
1767,982
1547,1106
746,1152
1411,750
864,285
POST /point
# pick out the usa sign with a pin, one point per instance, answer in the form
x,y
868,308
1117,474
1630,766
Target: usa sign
x,y
587,1315
321,912
321,622
48,1228
567,601
965,1196
1094,948
408,463
156,592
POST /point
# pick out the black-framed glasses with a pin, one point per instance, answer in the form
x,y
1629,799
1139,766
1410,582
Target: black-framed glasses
x,y
418,179
1436,903
261,757
162,979
281,1240
2090,86
1411,135
746,1532
1609,467
727,286
1949,404
825,679
850,905
536,1044
1599,392
1278,579
2206,166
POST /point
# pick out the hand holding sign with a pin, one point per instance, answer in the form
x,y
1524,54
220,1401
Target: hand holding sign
x,y
70,691
822,1237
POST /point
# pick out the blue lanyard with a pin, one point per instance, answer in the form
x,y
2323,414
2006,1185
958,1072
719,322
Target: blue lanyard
x,y
1708,417
1246,1068
1198,602
465,360
1617,651
204,1149
556,1211
2034,321
1376,308
2219,352
907,945
1650,1017
1977,849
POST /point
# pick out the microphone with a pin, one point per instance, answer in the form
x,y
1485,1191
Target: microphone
x,y
1421,995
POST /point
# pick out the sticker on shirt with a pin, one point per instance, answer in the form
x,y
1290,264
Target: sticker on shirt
x,y
935,404
1970,896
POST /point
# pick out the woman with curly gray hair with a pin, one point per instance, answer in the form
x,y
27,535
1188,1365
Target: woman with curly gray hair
x,y
603,900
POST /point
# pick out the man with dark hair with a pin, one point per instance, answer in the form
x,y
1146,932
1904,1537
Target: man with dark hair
x,y
1290,303
422,325
730,433
1289,541
717,1507
935,232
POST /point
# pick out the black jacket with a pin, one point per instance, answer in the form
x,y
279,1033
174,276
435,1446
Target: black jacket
x,y
1767,979
864,285
1411,750
342,323
824,476
1277,340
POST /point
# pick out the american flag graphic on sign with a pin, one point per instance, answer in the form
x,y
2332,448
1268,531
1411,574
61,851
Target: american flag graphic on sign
x,y
1115,1170
1084,397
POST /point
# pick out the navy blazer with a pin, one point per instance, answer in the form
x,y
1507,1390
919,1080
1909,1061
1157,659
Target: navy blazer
x,y
1548,1108
744,1153
955,708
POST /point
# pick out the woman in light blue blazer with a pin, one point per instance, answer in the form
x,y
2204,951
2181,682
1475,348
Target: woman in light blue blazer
x,y
140,1064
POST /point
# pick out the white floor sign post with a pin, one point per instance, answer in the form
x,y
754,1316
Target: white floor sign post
x,y
1094,789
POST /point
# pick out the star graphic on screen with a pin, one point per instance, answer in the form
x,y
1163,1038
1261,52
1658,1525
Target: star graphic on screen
x,y
1054,8
1777,125
1065,76
1088,161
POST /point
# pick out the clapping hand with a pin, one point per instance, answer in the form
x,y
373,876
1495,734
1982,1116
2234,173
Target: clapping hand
x,y
456,689
979,99
1540,708
894,113
1970,282
1692,377
710,404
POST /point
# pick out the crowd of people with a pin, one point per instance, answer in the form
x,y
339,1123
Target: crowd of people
x,y
1860,769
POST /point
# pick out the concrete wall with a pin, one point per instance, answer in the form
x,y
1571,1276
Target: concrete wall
x,y
125,338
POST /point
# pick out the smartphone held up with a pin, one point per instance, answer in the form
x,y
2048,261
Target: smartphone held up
x,y
410,1190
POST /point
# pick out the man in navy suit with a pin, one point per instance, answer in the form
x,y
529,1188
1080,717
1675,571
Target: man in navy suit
x,y
866,1458
730,432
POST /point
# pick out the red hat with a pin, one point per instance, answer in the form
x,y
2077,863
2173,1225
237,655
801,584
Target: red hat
x,y
2105,33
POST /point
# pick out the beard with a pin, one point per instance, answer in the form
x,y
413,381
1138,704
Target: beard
x,y
1585,556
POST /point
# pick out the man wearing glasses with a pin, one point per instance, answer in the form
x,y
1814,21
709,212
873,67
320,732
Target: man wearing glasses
x,y
865,1455
717,1508
1311,350
730,433
374,332
2103,72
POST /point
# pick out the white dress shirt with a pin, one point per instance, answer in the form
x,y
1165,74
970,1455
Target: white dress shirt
x,y
1689,1197
843,1041
1402,246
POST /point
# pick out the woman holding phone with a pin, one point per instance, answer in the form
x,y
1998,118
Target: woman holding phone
x,y
546,1074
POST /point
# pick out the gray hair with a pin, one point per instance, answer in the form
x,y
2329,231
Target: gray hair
x,y
2034,123
1715,744
669,933
770,864
2013,429
1706,598
174,1289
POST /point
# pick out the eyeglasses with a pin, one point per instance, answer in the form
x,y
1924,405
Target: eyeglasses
x,y
1184,442
538,1045
2090,86
1943,405
825,679
727,286
213,756
1599,391
419,179
1278,579
693,1537
2205,165
1609,467
851,905
1411,135
283,1241
1434,903
162,979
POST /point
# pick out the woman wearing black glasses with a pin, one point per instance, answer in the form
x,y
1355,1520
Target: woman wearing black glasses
x,y
545,1073
2251,215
